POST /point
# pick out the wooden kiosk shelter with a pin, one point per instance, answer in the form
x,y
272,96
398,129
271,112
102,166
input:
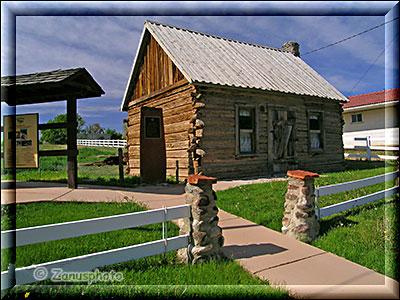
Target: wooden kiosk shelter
x,y
57,85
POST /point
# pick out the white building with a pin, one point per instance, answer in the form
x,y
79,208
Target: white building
x,y
375,115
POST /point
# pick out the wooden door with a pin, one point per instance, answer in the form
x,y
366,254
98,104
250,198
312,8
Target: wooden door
x,y
282,154
152,146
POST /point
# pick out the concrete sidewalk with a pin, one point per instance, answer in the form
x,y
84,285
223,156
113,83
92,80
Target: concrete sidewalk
x,y
303,269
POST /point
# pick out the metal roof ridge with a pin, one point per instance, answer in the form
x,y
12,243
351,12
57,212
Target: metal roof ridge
x,y
216,36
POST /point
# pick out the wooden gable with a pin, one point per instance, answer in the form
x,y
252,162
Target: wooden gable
x,y
157,70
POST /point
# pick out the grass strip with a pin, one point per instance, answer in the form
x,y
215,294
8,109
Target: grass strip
x,y
159,276
150,292
366,235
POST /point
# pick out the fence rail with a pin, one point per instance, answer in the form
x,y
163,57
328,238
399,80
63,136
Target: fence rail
x,y
382,148
356,184
352,185
102,143
339,207
368,148
85,263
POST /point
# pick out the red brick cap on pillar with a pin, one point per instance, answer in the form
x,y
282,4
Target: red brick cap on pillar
x,y
300,174
200,179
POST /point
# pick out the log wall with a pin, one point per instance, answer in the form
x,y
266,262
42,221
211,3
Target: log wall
x,y
219,133
176,104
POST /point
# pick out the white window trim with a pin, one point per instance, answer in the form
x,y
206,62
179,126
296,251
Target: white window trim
x,y
356,122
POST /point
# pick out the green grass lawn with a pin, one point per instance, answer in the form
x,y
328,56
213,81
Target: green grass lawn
x,y
54,168
366,235
155,276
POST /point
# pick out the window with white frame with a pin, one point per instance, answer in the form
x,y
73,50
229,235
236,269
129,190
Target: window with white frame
x,y
356,118
316,142
246,130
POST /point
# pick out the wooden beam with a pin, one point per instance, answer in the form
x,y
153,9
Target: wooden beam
x,y
159,92
27,97
71,144
53,126
58,152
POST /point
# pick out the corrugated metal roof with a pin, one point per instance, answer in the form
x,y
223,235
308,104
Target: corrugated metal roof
x,y
205,58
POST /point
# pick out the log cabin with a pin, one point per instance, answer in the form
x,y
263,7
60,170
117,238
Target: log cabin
x,y
228,109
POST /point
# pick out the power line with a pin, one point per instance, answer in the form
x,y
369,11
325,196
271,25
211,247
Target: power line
x,y
365,73
350,37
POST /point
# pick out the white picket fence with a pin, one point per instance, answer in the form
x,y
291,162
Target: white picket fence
x,y
102,143
352,185
368,147
86,263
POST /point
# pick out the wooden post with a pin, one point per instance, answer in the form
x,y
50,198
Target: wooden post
x,y
270,163
177,172
368,141
196,166
120,165
397,178
72,148
39,173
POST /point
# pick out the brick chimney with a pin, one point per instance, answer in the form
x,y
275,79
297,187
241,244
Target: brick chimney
x,y
292,47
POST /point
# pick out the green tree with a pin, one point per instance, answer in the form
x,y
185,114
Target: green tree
x,y
59,136
124,130
115,135
94,128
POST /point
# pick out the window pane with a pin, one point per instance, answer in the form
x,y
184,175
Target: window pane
x,y
246,142
359,118
353,118
315,140
245,119
152,126
244,113
314,122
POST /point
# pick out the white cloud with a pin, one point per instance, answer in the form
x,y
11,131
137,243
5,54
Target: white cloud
x,y
97,108
85,115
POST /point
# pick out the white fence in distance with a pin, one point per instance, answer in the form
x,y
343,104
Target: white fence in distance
x,y
385,137
102,143
368,147
352,185
86,263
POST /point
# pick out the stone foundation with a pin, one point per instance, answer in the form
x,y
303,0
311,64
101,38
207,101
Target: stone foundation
x,y
299,220
205,234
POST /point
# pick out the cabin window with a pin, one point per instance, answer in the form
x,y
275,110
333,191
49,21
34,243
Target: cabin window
x,y
152,128
356,118
316,142
246,130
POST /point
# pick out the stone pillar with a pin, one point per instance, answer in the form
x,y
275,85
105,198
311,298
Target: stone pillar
x,y
205,234
299,220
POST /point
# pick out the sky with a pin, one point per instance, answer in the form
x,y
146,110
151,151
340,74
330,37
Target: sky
x,y
106,46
